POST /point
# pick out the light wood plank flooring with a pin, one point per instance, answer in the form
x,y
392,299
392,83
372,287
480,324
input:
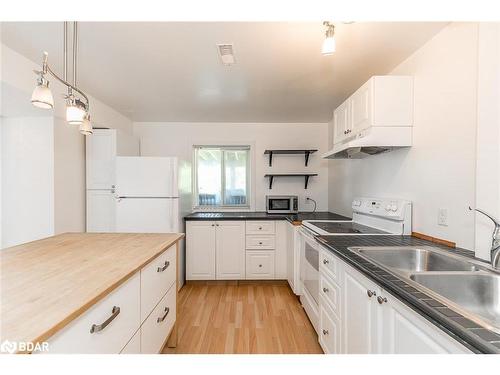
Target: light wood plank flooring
x,y
242,317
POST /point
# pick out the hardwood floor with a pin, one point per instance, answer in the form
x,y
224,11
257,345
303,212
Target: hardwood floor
x,y
242,317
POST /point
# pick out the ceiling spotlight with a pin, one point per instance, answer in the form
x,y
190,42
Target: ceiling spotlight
x,y
86,125
42,96
329,42
75,111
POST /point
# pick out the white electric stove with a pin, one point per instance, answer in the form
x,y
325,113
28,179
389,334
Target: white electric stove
x,y
371,216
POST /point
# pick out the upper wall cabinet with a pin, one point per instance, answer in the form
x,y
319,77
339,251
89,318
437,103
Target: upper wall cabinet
x,y
101,150
383,101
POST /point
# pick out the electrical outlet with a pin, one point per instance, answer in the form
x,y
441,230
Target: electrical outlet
x,y
306,199
443,217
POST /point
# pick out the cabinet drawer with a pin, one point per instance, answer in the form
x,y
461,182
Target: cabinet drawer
x,y
259,265
134,345
329,264
156,278
261,242
329,330
260,227
158,325
77,336
331,294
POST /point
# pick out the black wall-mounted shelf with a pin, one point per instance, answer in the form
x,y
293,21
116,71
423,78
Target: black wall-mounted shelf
x,y
306,154
305,175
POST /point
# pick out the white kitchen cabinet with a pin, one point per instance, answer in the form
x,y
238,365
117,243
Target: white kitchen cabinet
x,y
361,314
341,121
329,330
101,211
101,151
200,250
383,101
280,268
405,332
260,265
293,252
230,250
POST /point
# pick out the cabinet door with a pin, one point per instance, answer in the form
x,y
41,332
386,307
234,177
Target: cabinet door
x,y
361,314
290,259
405,332
361,113
101,211
341,122
329,329
230,250
100,159
200,250
260,265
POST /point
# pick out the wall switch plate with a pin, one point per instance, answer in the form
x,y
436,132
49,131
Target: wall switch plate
x,y
443,217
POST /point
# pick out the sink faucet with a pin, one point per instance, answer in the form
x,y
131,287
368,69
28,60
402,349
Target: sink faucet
x,y
495,242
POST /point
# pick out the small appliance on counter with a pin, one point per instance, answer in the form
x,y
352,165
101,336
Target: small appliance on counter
x,y
282,204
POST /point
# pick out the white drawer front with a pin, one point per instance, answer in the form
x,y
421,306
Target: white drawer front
x,y
156,278
259,265
77,338
134,345
329,264
159,324
331,293
260,227
329,331
261,242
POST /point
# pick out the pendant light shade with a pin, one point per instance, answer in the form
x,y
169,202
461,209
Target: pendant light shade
x,y
86,126
75,112
42,96
329,42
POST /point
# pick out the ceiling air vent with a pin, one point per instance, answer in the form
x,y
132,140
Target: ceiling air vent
x,y
226,53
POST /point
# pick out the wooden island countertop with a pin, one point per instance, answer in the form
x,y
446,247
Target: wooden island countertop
x,y
46,284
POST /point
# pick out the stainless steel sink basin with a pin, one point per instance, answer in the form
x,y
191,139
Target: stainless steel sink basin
x,y
477,293
415,259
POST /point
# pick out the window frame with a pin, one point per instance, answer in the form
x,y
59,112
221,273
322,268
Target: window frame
x,y
249,178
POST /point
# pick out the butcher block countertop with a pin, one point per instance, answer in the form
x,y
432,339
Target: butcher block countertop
x,y
46,284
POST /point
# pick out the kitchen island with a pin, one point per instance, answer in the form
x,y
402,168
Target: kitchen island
x,y
50,286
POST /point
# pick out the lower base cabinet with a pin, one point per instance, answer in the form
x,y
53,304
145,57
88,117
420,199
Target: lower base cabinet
x,y
372,320
259,265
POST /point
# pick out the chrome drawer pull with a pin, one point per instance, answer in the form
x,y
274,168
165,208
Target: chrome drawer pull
x,y
325,290
100,327
165,266
260,243
325,261
381,300
159,320
325,332
371,293
260,228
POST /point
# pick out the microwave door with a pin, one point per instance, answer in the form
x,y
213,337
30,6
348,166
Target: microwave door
x,y
277,204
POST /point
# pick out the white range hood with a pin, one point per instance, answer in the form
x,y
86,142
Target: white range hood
x,y
372,141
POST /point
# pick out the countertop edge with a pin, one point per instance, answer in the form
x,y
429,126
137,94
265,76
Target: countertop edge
x,y
101,295
429,313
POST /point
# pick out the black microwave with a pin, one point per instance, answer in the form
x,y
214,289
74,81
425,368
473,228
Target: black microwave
x,y
282,204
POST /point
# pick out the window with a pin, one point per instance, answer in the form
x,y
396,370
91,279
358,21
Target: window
x,y
222,176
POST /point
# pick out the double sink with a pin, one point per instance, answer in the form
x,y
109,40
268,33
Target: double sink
x,y
470,287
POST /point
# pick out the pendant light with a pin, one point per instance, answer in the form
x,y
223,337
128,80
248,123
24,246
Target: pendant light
x,y
329,42
77,103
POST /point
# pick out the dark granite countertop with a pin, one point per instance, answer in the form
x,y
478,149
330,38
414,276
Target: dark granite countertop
x,y
262,215
473,336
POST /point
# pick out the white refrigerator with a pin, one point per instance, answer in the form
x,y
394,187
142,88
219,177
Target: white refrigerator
x,y
147,197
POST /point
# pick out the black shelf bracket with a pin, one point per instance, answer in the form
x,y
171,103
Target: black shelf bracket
x,y
270,159
306,180
270,181
307,160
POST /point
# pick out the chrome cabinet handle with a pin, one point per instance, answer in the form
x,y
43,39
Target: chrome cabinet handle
x,y
260,228
161,319
325,261
260,265
260,243
371,293
165,266
381,299
213,225
325,290
325,332
99,327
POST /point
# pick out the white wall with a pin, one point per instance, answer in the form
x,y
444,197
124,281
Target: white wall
x,y
27,175
177,139
65,150
438,171
488,134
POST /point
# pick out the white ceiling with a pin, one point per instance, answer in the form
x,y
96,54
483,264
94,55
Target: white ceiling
x,y
170,71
